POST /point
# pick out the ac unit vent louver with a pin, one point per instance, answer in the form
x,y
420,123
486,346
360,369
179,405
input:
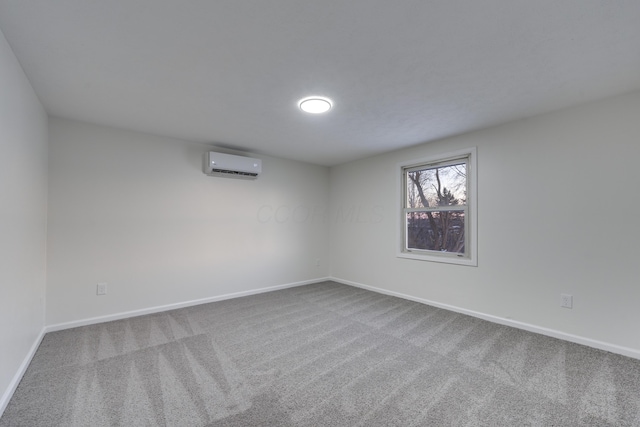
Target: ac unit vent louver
x,y
214,171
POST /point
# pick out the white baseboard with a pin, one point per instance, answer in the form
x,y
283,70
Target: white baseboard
x,y
13,385
157,309
613,348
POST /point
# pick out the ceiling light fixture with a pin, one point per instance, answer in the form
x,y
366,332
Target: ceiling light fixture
x,y
315,104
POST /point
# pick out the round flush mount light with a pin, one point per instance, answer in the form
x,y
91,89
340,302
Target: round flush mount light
x,y
315,104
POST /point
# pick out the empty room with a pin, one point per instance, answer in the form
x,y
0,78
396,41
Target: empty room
x,y
329,213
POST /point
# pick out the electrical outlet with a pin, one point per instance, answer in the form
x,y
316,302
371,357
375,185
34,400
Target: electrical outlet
x,y
566,301
317,262
101,289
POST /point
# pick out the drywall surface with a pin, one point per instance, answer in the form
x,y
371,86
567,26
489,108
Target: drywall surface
x,y
23,217
135,211
557,213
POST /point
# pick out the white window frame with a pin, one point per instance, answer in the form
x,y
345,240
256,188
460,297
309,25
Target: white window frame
x,y
470,257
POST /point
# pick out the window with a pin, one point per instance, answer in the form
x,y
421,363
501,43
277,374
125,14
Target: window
x,y
438,214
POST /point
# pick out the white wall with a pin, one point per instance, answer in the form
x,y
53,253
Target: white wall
x,y
558,213
23,210
136,211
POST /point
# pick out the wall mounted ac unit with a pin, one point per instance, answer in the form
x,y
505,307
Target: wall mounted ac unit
x,y
228,165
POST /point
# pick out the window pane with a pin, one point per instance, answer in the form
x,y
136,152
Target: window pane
x,y
436,231
439,186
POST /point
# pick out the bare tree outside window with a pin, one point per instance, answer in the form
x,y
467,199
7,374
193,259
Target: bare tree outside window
x,y
435,207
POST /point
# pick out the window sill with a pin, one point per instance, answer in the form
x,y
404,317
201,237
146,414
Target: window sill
x,y
440,258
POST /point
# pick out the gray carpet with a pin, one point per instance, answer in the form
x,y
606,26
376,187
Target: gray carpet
x,y
320,355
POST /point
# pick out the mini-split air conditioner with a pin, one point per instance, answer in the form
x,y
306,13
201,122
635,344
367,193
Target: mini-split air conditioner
x,y
228,165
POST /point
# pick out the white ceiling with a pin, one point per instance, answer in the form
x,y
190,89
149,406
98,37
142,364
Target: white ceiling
x,y
400,72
